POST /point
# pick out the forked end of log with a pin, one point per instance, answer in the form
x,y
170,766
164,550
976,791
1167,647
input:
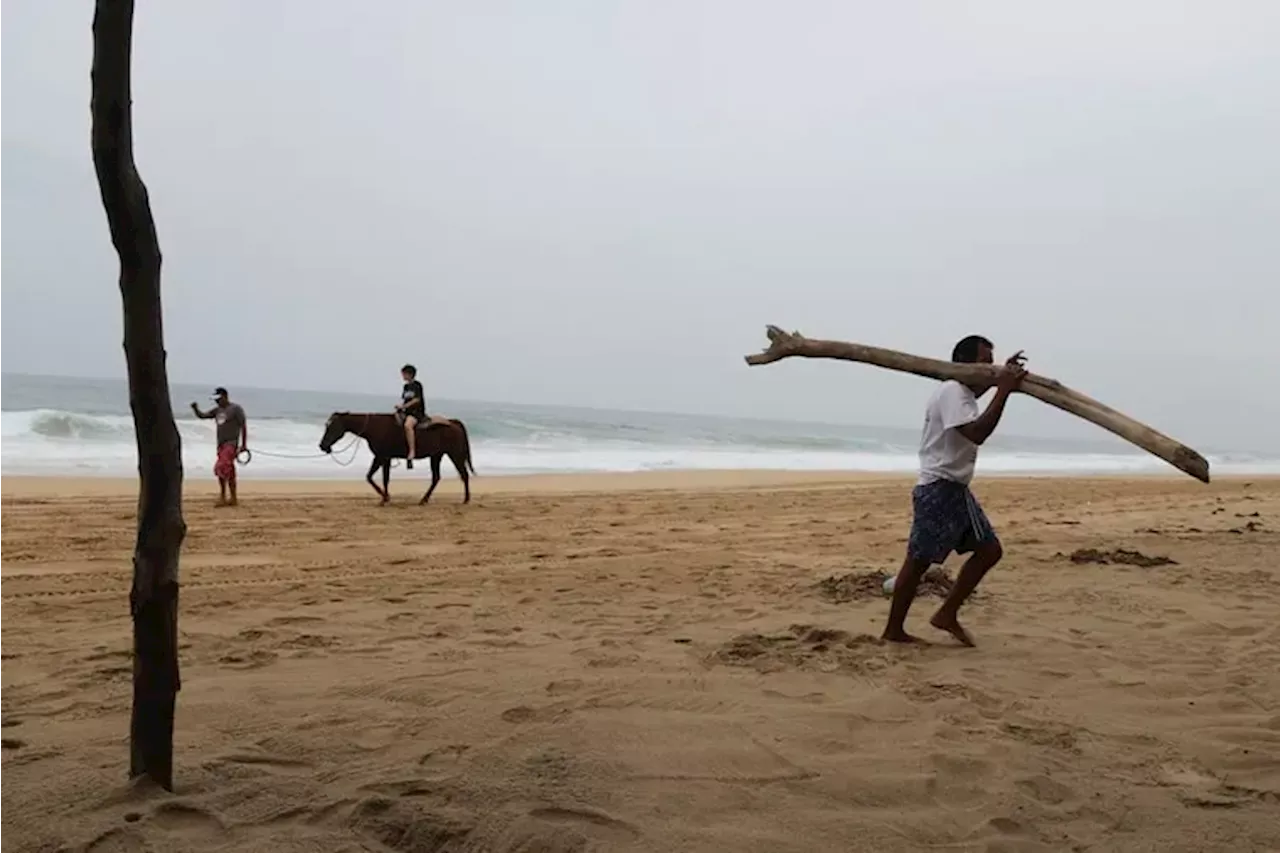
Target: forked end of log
x,y
781,345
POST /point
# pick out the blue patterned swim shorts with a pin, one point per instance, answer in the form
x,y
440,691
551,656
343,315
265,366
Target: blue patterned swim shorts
x,y
946,517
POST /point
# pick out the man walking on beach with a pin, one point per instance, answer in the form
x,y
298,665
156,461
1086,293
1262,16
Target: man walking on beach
x,y
233,439
946,515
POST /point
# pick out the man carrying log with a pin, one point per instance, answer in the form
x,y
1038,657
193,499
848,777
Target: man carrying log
x,y
946,515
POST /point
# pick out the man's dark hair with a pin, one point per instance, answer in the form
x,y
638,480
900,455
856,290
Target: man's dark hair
x,y
409,369
966,352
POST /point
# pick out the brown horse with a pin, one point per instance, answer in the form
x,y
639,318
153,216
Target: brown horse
x,y
385,436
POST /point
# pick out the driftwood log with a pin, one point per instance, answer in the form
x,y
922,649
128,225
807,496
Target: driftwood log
x,y
153,597
793,344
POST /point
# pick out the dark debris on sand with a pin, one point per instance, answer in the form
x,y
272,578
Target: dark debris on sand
x,y
1119,557
1249,527
862,586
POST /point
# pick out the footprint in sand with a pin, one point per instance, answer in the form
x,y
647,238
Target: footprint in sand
x,y
308,641
592,823
450,754
525,714
937,691
268,762
520,714
1045,790
293,620
398,825
118,840
253,660
954,766
568,685
1197,789
803,646
415,787
1043,734
108,654
187,820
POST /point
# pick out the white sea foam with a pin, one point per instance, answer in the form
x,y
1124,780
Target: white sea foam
x,y
58,443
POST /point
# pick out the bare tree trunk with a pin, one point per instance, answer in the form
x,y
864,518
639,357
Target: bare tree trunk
x,y
788,345
153,598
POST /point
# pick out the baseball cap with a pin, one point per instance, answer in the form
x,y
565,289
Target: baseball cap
x,y
218,392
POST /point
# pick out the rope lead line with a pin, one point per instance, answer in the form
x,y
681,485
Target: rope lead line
x,y
353,446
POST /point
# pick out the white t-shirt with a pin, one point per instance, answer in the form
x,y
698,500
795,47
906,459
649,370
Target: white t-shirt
x,y
945,454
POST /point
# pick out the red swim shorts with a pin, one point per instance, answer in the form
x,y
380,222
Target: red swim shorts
x,y
225,467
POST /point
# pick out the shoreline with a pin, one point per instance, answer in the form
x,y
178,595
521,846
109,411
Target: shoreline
x,y
588,483
44,486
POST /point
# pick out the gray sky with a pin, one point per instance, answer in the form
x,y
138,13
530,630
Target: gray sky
x,y
604,203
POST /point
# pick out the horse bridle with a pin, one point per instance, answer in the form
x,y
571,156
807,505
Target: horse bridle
x,y
356,433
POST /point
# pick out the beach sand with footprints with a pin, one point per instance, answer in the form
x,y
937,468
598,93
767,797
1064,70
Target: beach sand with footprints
x,y
667,662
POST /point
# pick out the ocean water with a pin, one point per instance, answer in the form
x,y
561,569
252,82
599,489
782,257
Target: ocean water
x,y
82,427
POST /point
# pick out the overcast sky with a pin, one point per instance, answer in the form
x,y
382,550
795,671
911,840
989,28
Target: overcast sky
x,y
603,203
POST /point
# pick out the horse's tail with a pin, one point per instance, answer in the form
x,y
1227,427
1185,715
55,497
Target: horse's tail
x,y
466,445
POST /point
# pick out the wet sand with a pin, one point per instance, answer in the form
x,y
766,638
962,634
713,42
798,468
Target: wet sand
x,y
668,662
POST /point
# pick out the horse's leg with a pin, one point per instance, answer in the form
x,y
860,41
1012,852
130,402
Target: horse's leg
x,y
386,480
373,469
435,479
460,463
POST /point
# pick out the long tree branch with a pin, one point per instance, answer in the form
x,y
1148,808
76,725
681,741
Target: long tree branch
x,y
794,345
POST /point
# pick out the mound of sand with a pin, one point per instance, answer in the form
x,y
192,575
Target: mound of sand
x,y
862,586
1120,557
803,647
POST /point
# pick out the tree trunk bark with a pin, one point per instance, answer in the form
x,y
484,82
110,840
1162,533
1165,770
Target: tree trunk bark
x,y
788,345
153,598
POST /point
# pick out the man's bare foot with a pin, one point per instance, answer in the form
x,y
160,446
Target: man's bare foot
x,y
221,503
898,637
952,626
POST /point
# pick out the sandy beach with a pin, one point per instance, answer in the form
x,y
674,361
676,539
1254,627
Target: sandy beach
x,y
667,662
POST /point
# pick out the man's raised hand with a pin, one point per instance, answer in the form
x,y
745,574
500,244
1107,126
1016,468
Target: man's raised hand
x,y
1013,373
